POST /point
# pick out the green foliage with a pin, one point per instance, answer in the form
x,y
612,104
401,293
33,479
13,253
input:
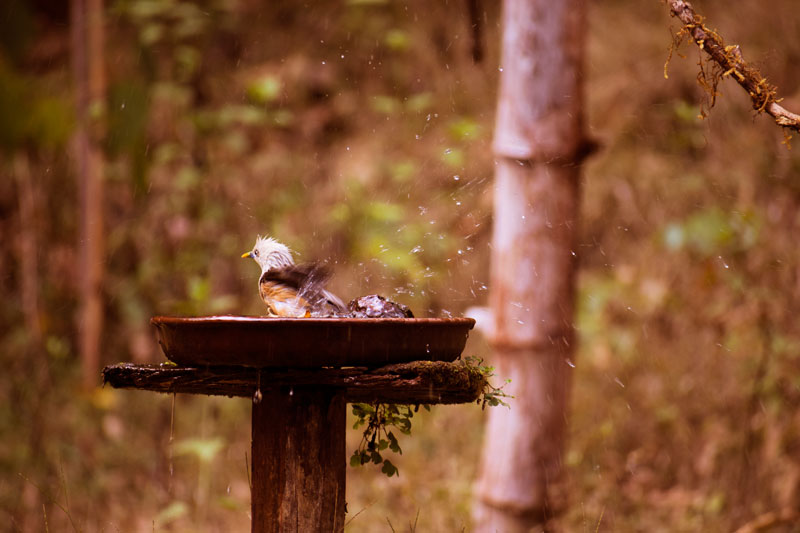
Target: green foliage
x,y
17,28
712,231
453,157
127,128
397,39
205,450
265,89
377,437
464,129
386,105
379,417
171,512
28,115
491,395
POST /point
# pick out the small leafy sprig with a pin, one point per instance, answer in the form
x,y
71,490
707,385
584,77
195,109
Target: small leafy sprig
x,y
491,395
379,417
377,437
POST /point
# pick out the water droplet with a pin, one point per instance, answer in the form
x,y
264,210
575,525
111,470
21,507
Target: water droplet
x,y
618,382
458,203
291,391
456,177
415,250
257,396
570,363
323,62
500,69
726,265
428,348
417,137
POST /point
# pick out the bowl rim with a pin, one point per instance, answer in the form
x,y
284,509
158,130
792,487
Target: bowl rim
x,y
260,320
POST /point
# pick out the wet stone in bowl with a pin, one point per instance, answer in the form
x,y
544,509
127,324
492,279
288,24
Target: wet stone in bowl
x,y
375,306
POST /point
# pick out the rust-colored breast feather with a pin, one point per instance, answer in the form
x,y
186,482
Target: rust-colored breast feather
x,y
281,299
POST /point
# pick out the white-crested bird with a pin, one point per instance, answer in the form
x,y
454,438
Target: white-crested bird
x,y
291,290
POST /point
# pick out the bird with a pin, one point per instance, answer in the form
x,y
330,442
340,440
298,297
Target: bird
x,y
291,290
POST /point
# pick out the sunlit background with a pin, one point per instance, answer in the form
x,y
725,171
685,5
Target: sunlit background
x,y
359,132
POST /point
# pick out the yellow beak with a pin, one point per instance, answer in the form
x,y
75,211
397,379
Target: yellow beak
x,y
247,254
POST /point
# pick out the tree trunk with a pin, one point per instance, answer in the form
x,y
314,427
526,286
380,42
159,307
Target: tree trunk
x,y
538,144
89,79
27,194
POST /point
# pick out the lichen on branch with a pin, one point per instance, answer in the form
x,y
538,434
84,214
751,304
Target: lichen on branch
x,y
727,61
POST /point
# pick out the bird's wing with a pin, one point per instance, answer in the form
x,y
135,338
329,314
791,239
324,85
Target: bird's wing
x,y
296,276
309,280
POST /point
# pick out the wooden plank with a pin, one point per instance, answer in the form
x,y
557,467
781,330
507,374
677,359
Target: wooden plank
x,y
299,462
430,382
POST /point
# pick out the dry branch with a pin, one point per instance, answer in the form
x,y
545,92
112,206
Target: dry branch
x,y
409,383
729,59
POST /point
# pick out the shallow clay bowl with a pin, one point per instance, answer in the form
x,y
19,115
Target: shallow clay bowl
x,y
310,342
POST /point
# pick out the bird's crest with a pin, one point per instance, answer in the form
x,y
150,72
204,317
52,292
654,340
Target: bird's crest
x,y
271,254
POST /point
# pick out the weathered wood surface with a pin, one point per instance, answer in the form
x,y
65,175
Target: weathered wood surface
x,y
430,382
299,461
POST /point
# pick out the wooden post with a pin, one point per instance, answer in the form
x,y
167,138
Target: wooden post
x,y
299,461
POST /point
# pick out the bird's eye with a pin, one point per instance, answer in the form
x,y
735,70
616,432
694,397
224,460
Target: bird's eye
x,y
255,253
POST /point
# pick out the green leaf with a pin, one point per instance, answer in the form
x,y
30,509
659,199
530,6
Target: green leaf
x,y
355,459
265,89
172,512
464,129
396,39
389,469
419,102
385,105
385,212
198,289
204,449
453,157
393,444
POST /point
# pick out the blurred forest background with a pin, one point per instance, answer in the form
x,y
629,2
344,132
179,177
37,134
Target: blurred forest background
x,y
359,131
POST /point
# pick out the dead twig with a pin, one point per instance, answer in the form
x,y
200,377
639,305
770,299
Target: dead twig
x,y
769,520
731,63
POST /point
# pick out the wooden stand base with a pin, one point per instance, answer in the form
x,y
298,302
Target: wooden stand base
x,y
299,461
299,458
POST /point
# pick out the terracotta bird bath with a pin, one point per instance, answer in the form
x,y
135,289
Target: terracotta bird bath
x,y
301,373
